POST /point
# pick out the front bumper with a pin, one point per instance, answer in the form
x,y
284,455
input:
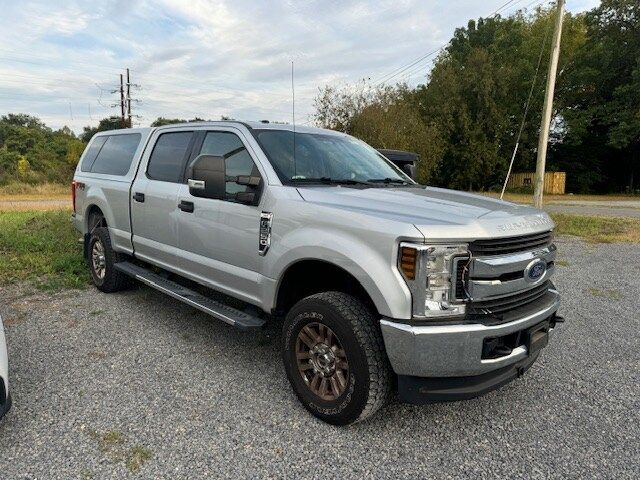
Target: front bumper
x,y
456,350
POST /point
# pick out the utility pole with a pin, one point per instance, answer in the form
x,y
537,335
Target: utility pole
x,y
128,99
122,102
547,109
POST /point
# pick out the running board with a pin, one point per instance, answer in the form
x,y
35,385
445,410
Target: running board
x,y
219,310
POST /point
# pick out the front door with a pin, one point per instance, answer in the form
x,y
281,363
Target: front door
x,y
219,238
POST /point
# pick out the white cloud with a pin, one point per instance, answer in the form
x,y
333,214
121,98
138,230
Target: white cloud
x,y
211,57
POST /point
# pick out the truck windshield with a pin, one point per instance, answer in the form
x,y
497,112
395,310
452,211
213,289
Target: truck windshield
x,y
326,158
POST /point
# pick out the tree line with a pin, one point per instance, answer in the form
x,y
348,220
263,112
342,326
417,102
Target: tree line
x,y
464,120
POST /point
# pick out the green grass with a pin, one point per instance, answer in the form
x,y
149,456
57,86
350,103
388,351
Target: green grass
x,y
136,457
598,229
41,248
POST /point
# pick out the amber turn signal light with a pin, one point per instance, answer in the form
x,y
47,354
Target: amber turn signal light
x,y
408,259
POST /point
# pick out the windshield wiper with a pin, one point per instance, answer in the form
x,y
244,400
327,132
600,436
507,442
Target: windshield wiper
x,y
331,181
388,180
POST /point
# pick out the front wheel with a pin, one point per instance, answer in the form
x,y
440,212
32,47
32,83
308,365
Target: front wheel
x,y
334,357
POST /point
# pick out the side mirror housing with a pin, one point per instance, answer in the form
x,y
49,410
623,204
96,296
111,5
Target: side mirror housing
x,y
206,177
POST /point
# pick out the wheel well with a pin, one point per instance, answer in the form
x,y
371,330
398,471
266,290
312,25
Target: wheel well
x,y
308,277
95,218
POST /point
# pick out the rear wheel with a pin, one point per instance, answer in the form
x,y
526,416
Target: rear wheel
x,y
335,360
102,259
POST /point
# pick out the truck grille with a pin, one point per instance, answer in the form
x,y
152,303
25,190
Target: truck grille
x,y
510,302
502,246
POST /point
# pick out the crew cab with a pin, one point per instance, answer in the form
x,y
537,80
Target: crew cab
x,y
383,284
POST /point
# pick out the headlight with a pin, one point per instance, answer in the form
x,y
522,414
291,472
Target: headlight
x,y
428,271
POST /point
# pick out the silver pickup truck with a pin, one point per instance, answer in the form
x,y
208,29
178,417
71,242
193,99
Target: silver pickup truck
x,y
384,284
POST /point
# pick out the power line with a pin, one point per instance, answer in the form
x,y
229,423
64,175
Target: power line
x,y
419,60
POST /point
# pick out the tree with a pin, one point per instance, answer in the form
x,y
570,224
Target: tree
x,y
110,123
160,121
477,92
601,104
33,153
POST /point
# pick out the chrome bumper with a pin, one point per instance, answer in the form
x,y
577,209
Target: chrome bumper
x,y
453,350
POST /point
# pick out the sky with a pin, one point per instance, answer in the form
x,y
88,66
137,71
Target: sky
x,y
61,60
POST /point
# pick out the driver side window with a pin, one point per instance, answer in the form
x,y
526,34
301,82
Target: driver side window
x,y
238,160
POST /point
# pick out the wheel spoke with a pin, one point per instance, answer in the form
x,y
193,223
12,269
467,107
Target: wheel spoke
x,y
315,382
308,341
339,352
313,335
303,355
341,379
324,384
335,387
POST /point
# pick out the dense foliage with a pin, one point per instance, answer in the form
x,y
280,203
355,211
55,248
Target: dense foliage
x,y
31,152
464,121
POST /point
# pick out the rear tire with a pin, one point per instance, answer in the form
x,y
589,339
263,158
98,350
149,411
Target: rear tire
x,y
335,359
102,260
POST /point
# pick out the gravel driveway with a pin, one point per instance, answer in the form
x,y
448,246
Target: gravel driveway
x,y
136,385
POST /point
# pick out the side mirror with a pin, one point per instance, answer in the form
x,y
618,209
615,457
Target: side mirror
x,y
410,169
206,177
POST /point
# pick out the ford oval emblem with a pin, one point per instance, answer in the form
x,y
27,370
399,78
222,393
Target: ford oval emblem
x,y
535,270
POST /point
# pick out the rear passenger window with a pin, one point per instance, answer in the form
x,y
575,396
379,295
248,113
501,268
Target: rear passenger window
x,y
169,156
92,153
116,154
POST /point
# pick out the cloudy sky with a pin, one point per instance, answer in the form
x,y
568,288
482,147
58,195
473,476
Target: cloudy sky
x,y
61,60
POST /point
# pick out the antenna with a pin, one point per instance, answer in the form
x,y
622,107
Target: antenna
x,y
293,118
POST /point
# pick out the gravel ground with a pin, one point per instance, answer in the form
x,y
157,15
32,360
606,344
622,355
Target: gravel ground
x,y
136,385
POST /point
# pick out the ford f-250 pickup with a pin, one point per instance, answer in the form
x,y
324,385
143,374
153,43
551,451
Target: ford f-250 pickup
x,y
384,284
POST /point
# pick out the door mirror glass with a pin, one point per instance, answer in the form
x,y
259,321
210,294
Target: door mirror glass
x,y
206,177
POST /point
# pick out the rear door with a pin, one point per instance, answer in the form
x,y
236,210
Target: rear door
x,y
219,238
154,202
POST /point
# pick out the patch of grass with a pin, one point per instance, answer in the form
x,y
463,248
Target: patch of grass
x,y
598,229
607,292
26,191
136,457
111,438
527,198
41,247
562,263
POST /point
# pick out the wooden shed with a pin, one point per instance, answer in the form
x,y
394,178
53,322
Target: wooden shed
x,y
554,182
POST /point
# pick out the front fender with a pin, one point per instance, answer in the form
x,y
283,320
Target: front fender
x,y
372,265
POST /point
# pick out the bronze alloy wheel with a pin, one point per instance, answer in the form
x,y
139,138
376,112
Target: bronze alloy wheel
x,y
322,361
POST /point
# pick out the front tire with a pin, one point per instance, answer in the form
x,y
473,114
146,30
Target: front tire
x,y
102,259
335,359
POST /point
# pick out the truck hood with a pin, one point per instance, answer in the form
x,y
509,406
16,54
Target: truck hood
x,y
437,212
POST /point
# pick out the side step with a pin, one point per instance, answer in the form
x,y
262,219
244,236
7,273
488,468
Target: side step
x,y
216,309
